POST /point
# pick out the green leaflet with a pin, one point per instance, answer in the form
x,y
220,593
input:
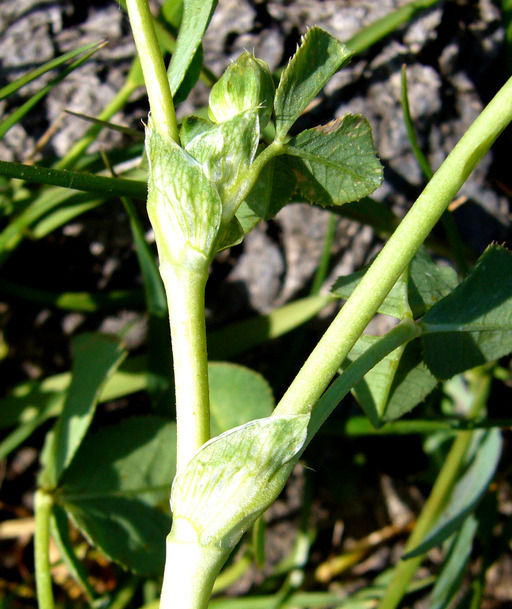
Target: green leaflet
x,y
183,205
395,385
232,385
316,60
473,324
335,163
117,488
233,478
196,17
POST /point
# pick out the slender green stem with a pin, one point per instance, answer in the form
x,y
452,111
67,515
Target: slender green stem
x,y
353,318
185,295
155,75
443,486
43,510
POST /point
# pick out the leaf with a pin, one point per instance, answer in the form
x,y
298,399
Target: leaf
x,y
196,17
191,77
473,324
116,487
395,385
466,494
96,356
273,190
234,477
427,284
127,531
230,234
232,385
335,163
316,60
60,535
454,565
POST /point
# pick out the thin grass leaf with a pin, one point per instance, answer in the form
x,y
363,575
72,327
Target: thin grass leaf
x,y
24,109
61,215
452,233
466,494
133,81
361,426
87,302
381,28
449,580
411,133
107,125
241,336
506,15
49,65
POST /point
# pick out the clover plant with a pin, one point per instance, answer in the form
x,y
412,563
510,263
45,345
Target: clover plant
x,y
199,176
207,177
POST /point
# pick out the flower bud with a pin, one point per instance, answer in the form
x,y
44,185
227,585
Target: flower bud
x,y
247,83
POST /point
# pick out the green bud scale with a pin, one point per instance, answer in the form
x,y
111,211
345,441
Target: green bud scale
x,y
247,83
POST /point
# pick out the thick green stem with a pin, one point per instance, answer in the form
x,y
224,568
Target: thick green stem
x,y
405,570
353,318
190,572
155,75
185,287
43,510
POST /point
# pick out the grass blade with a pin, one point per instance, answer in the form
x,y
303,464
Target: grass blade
x,y
18,114
49,65
381,28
